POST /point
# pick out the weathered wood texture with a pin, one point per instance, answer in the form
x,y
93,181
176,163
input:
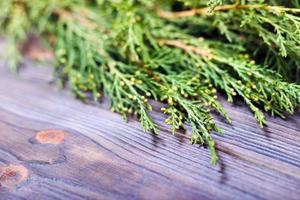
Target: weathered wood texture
x,y
102,157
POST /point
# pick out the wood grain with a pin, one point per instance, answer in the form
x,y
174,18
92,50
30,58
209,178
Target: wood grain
x,y
100,156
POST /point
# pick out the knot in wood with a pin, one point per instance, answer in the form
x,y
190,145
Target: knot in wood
x,y
50,136
13,175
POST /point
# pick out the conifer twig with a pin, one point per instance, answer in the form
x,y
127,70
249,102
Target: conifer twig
x,y
207,10
130,53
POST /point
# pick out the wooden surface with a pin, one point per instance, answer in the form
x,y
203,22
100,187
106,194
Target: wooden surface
x,y
96,155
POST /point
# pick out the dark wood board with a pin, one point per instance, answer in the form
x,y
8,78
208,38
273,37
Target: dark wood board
x,y
100,156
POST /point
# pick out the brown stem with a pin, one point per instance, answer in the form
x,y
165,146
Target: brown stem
x,y
80,16
205,11
187,48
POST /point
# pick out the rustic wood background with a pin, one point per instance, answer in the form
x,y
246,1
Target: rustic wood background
x,y
94,154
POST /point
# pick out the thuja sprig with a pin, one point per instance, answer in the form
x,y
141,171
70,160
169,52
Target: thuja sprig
x,y
14,16
237,76
131,51
255,25
182,95
85,63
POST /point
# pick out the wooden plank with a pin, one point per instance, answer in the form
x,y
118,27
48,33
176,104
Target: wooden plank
x,y
99,156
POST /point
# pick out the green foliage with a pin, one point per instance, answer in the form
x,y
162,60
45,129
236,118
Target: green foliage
x,y
179,52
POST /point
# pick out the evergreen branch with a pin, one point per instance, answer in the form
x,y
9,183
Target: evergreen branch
x,y
128,52
207,10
